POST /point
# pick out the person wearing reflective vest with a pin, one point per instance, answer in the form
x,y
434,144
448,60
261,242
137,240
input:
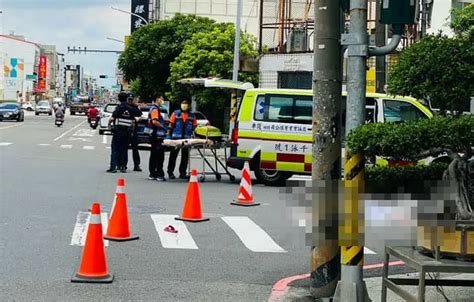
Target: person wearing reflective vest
x,y
122,121
182,125
158,133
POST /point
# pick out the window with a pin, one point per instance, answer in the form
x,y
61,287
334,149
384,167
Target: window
x,y
284,109
8,106
295,80
399,111
110,108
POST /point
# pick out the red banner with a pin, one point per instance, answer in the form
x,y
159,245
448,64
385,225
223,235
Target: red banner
x,y
42,74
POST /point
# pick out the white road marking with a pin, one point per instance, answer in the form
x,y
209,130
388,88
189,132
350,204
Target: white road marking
x,y
70,130
5,144
368,251
181,240
79,139
251,235
84,133
88,147
104,139
12,126
65,146
82,225
44,145
108,147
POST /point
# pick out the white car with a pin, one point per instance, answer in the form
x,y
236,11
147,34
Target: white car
x,y
105,115
27,106
43,107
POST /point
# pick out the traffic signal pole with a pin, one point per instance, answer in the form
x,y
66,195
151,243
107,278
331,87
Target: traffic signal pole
x,y
327,85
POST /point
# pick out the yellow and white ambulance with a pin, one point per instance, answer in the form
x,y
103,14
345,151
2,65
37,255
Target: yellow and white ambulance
x,y
273,129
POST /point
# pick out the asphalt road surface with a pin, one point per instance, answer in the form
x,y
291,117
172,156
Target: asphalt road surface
x,y
50,176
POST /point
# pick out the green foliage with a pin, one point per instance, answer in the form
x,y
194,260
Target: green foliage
x,y
210,54
382,179
437,68
152,48
462,21
411,140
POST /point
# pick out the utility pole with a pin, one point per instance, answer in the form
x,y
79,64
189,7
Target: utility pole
x,y
235,70
327,85
352,286
380,61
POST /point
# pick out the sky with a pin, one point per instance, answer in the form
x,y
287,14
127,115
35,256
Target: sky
x,y
80,23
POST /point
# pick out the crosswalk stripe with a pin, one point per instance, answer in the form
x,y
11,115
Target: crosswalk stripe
x,y
251,235
181,240
65,146
5,144
88,147
44,145
82,225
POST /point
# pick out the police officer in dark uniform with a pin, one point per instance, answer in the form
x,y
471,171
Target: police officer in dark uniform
x,y
122,128
136,114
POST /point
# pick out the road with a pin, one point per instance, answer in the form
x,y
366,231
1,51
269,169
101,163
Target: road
x,y
49,177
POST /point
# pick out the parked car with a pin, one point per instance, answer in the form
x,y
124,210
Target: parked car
x,y
11,111
28,106
202,119
105,115
43,107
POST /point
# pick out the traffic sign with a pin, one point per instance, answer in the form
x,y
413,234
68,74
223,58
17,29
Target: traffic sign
x,y
31,77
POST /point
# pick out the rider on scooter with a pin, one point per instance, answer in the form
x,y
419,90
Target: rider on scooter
x,y
59,113
92,113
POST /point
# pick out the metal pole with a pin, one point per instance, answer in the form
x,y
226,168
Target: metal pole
x,y
327,85
352,286
130,13
235,71
379,41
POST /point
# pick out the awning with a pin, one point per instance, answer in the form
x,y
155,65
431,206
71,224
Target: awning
x,y
217,83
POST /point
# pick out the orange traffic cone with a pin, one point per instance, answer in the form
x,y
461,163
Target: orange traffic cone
x,y
93,267
119,224
245,197
192,211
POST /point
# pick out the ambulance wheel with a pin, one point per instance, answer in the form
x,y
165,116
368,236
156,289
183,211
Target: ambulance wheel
x,y
202,179
271,178
232,178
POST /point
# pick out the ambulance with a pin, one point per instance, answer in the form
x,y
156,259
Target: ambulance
x,y
273,129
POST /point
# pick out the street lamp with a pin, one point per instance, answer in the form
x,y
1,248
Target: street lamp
x,y
116,40
130,13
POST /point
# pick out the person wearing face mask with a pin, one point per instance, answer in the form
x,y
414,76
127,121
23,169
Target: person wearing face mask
x,y
157,153
182,124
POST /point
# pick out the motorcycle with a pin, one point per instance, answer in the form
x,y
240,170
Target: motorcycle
x,y
58,122
94,123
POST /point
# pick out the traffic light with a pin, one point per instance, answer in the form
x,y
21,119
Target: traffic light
x,y
103,76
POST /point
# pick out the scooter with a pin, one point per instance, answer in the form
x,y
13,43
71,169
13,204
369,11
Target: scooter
x,y
94,123
59,122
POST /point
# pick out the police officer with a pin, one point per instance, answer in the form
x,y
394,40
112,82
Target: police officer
x,y
157,153
136,114
182,124
122,121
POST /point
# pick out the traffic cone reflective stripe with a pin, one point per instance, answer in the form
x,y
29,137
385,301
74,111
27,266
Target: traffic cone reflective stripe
x,y
245,197
120,189
119,224
93,268
192,205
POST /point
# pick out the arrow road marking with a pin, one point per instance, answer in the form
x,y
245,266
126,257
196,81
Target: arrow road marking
x,y
181,240
251,235
70,130
82,225
79,139
84,133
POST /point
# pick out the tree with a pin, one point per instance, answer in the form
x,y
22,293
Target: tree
x,y
439,69
462,21
151,49
210,54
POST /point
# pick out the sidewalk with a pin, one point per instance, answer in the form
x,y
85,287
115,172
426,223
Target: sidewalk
x,y
299,290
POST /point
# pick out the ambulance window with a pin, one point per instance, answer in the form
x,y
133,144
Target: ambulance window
x,y
303,110
399,111
280,108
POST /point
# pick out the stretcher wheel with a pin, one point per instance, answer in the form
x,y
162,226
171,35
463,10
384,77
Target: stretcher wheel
x,y
232,178
202,178
218,177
